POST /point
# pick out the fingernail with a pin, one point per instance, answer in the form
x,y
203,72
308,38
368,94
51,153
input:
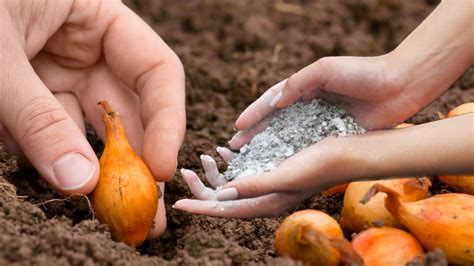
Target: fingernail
x,y
236,136
218,149
276,99
205,157
227,194
176,204
72,171
182,171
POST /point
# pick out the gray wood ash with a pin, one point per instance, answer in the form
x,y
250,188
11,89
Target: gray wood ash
x,y
289,131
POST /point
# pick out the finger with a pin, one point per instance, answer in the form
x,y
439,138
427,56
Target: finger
x,y
306,81
213,176
226,154
258,185
268,205
140,58
245,136
196,186
259,109
159,223
73,108
300,172
103,85
45,132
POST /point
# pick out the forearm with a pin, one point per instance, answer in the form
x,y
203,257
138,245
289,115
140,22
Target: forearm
x,y
442,147
437,52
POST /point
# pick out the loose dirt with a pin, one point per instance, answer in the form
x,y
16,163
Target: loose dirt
x,y
232,52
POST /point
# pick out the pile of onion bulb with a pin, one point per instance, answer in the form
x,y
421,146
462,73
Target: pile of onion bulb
x,y
444,221
357,216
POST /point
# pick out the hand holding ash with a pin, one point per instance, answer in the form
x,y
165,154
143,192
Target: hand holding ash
x,y
262,149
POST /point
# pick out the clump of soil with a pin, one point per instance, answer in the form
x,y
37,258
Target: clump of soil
x,y
232,52
288,132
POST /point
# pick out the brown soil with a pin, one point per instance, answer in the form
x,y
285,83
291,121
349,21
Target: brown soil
x,y
232,51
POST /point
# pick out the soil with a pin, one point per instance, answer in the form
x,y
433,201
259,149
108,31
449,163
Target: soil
x,y
232,52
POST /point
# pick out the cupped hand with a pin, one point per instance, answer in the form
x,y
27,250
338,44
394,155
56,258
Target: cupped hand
x,y
369,88
312,170
58,60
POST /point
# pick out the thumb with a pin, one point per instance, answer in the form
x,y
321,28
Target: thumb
x,y
49,138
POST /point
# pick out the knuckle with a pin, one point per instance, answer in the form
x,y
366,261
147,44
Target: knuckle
x,y
176,62
252,188
39,115
325,68
324,62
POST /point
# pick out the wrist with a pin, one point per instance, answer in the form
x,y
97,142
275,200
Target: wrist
x,y
348,159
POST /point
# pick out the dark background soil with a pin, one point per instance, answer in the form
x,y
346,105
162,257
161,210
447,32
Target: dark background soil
x,y
232,52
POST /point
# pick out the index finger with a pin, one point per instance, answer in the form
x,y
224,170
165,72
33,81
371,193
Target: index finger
x,y
142,60
261,108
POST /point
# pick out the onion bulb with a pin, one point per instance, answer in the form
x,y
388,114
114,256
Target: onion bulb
x,y
315,238
463,183
126,196
444,221
357,216
461,110
403,125
386,246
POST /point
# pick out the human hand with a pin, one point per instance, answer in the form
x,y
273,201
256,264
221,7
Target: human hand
x,y
272,198
380,91
58,60
444,146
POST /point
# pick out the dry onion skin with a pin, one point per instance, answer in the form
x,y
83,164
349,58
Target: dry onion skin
x,y
444,221
357,216
314,238
386,246
126,196
463,183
